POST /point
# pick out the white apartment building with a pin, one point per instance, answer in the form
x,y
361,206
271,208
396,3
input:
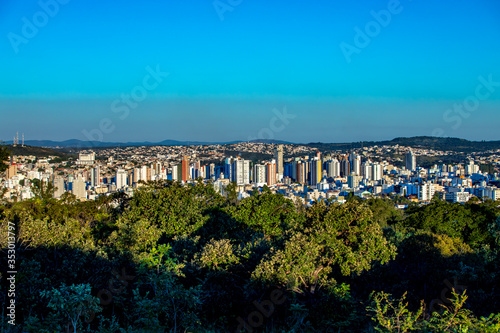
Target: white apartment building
x,y
426,191
121,178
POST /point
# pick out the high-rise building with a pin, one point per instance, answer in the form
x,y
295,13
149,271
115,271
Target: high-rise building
x,y
345,167
378,172
195,170
333,168
79,188
426,191
241,171
158,168
300,171
207,174
185,169
316,171
137,175
228,168
59,187
144,173
69,184
130,178
353,180
121,178
152,172
355,163
95,176
492,193
292,170
411,161
271,173
177,172
212,170
278,156
307,172
11,171
367,170
259,174
471,168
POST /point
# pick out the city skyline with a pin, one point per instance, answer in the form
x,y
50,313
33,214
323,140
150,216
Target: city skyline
x,y
343,72
300,172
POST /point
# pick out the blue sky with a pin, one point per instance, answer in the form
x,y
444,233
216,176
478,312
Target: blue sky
x,y
226,76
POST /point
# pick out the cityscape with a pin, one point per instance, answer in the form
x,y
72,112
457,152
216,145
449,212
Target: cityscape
x,y
300,173
249,166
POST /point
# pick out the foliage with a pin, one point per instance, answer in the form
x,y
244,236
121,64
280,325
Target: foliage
x,y
182,258
72,302
4,157
394,316
271,214
342,239
468,222
177,210
217,254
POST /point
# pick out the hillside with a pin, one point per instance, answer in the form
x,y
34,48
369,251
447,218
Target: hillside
x,y
449,144
37,151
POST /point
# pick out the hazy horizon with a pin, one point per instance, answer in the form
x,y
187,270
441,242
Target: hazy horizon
x,y
344,72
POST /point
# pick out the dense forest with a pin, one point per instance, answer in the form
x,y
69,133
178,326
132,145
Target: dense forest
x,y
179,258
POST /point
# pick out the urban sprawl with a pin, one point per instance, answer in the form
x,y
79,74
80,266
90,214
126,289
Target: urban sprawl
x,y
300,173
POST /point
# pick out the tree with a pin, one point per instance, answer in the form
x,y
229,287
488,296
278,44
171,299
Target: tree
x,y
72,302
42,190
468,222
341,240
4,157
173,208
393,315
217,254
269,213
232,193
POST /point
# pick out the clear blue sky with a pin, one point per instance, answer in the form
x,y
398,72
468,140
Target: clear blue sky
x,y
225,77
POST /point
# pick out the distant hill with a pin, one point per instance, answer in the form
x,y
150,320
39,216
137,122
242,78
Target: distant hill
x,y
448,144
37,151
98,144
276,142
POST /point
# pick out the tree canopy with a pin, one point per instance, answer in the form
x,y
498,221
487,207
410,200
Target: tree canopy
x,y
4,157
176,258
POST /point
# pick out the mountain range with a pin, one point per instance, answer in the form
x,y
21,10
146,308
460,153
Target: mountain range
x,y
449,144
74,143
